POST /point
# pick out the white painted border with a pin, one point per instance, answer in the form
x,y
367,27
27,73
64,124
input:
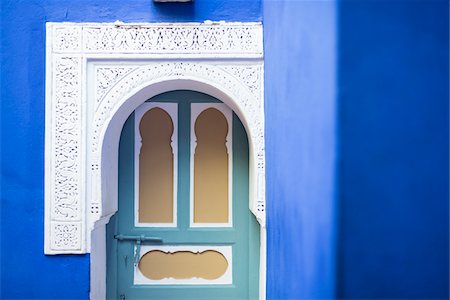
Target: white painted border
x,y
172,110
226,278
196,110
81,188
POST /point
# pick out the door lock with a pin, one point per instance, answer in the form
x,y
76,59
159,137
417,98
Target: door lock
x,y
138,239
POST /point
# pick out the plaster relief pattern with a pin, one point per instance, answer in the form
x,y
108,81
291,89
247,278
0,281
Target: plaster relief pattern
x,y
70,104
250,75
66,198
67,156
67,39
250,104
66,237
172,38
106,77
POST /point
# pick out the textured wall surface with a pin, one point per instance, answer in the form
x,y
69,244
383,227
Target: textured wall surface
x,y
25,271
393,111
300,42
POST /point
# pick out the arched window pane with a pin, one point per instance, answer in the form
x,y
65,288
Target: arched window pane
x,y
211,168
156,168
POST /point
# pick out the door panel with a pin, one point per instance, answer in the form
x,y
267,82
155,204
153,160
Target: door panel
x,y
155,163
214,261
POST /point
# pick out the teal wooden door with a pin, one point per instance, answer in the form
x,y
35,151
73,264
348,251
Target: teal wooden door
x,y
187,249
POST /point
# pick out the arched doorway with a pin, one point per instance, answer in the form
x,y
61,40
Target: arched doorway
x,y
183,155
92,88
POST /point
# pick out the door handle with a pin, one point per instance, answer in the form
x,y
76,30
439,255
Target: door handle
x,y
138,239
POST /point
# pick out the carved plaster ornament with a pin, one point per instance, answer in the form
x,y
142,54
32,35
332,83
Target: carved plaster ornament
x,y
90,70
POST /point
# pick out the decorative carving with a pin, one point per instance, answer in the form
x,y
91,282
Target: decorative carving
x,y
249,103
107,77
67,39
164,39
73,120
66,139
146,74
95,204
66,236
250,75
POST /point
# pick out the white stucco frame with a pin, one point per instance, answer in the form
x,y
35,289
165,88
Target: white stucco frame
x,y
96,75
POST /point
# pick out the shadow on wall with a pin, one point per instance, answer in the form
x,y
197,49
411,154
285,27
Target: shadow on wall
x,y
393,124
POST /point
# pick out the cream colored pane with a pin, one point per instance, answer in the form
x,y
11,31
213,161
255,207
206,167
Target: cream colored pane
x,y
211,168
156,168
157,265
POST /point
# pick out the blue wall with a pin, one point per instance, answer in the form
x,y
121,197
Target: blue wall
x,y
393,111
25,271
300,96
392,143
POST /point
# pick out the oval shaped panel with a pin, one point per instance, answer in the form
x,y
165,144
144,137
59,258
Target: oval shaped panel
x,y
157,265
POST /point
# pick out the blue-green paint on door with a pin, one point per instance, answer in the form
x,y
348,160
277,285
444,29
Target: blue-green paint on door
x,y
243,236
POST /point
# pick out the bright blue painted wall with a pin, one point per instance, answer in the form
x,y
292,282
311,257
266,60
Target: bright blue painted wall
x,y
392,122
393,111
300,96
25,271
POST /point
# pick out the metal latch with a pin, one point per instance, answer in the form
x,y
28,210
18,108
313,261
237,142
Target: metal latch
x,y
138,239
